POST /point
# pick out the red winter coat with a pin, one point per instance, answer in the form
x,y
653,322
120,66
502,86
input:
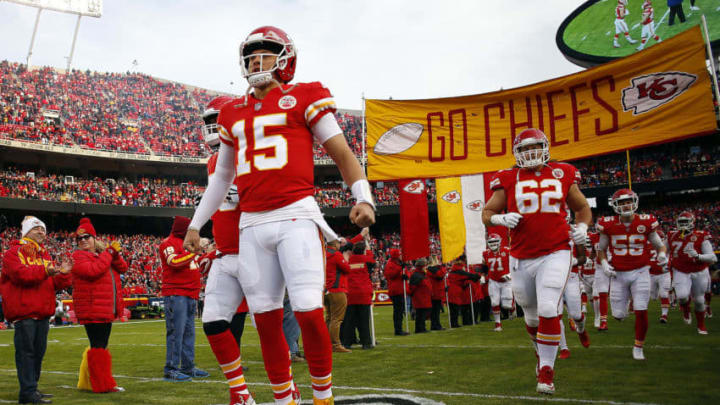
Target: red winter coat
x,y
97,293
477,288
336,271
360,288
180,275
437,281
393,274
458,292
421,292
27,290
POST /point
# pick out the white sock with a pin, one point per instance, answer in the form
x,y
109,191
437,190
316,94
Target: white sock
x,y
563,342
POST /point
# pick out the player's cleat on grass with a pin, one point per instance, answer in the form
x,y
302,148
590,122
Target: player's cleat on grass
x,y
242,399
295,395
687,319
596,323
584,339
326,401
708,312
638,353
640,48
564,354
663,319
603,326
498,327
632,41
702,331
573,327
545,381
616,45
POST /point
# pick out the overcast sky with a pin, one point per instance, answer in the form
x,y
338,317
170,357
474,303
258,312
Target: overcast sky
x,y
382,48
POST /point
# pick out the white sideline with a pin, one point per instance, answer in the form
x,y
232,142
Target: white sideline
x,y
382,389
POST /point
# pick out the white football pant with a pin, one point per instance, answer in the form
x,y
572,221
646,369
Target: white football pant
x,y
500,293
648,31
659,286
620,26
571,296
602,282
587,286
223,293
281,253
538,284
625,285
691,285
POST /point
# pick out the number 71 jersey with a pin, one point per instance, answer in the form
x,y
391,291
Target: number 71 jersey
x,y
273,143
540,197
628,243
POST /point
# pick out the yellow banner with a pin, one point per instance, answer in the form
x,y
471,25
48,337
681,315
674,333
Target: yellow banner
x,y
654,96
450,217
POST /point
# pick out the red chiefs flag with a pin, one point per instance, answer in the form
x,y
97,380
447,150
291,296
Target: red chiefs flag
x,y
414,223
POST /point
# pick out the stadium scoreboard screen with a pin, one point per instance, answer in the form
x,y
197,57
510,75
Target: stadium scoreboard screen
x,y
587,36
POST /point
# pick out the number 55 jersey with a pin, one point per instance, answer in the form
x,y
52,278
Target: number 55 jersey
x,y
540,197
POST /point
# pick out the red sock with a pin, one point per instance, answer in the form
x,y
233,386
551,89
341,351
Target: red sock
x,y
496,309
708,298
275,351
227,354
583,298
548,339
641,327
318,349
685,309
532,331
700,316
664,302
603,306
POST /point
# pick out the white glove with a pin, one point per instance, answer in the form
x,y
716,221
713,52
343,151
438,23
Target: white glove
x,y
509,220
662,259
506,277
689,250
606,269
574,262
482,280
579,234
665,269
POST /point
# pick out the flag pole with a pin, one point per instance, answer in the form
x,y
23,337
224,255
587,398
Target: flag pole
x,y
407,322
364,137
627,157
372,319
472,310
447,298
713,71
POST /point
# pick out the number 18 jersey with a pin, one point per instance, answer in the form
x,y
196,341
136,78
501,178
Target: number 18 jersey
x,y
273,143
540,197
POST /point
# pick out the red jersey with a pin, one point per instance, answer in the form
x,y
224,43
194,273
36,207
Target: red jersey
x,y
498,263
180,275
273,143
540,198
628,243
620,12
678,242
655,269
588,269
226,220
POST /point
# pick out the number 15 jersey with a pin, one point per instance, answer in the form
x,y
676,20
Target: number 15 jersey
x,y
273,143
540,197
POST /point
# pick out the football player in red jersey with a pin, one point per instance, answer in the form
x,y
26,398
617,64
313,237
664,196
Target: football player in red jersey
x,y
267,152
587,276
692,253
497,261
223,293
660,281
573,302
626,236
536,194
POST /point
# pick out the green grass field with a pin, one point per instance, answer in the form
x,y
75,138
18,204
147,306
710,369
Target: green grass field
x,y
468,365
593,30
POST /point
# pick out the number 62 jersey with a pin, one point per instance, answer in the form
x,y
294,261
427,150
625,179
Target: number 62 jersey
x,y
540,197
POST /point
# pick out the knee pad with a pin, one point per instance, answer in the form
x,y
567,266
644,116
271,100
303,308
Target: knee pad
x,y
306,300
507,304
699,303
547,309
215,327
531,317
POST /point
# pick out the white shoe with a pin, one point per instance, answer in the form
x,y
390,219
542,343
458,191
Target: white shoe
x,y
694,8
640,48
702,331
498,327
638,353
596,322
687,320
632,41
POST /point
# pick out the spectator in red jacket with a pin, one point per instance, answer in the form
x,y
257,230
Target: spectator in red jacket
x,y
28,284
421,292
97,299
459,292
359,297
336,271
436,274
397,287
181,289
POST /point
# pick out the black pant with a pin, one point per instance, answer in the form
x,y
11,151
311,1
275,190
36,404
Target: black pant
x,y
485,309
98,334
676,10
435,315
30,346
421,314
466,315
237,325
398,312
454,312
356,317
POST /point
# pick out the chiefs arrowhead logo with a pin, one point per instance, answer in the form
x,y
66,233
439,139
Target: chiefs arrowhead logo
x,y
453,197
415,187
651,91
476,205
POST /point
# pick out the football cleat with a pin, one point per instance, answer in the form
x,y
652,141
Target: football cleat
x,y
498,327
545,381
663,319
708,312
687,320
564,354
596,323
702,331
326,401
638,353
584,339
572,325
295,394
242,399
603,326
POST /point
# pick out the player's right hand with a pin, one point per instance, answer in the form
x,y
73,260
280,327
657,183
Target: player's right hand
x,y
362,215
606,269
509,220
192,241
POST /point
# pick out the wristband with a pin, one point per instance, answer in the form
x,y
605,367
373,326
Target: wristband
x,y
362,193
582,225
497,219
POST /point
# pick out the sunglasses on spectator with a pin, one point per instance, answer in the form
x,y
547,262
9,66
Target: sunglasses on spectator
x,y
84,237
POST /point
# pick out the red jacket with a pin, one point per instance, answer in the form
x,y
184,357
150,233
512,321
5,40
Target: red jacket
x,y
27,290
393,275
360,289
336,271
458,282
420,290
477,288
437,281
97,293
180,275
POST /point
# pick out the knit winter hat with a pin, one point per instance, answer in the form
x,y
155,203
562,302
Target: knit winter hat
x,y
30,222
180,226
85,227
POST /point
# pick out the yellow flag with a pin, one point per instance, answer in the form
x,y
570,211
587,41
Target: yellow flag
x,y
450,217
